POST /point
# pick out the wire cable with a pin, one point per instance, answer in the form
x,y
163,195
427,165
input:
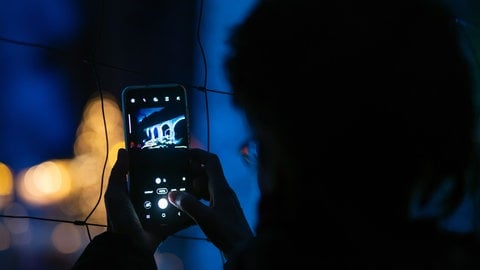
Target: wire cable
x,y
205,74
100,92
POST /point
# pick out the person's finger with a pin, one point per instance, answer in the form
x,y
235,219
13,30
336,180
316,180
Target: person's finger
x,y
115,184
221,196
199,212
203,215
120,211
217,227
119,171
211,166
222,221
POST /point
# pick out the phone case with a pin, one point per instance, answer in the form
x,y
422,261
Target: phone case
x,y
157,137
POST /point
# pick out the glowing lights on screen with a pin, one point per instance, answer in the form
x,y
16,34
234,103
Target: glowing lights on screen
x,y
155,99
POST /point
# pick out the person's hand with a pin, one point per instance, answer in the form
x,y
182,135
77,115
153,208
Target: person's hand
x,y
121,215
223,220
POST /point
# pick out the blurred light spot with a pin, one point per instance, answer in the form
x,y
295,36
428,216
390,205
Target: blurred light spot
x,y
6,185
85,171
66,238
16,225
91,132
91,196
46,183
22,239
84,142
4,238
90,154
77,183
6,180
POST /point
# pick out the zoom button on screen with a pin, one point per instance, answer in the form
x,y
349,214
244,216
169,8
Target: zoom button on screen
x,y
162,191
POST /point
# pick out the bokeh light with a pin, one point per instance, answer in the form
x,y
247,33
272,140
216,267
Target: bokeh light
x,y
6,180
6,184
19,228
66,238
16,226
91,132
90,154
46,183
74,185
77,182
5,239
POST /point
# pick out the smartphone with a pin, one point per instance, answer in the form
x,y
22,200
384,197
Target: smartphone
x,y
157,137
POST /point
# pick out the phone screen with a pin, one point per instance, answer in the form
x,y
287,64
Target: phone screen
x,y
156,122
157,119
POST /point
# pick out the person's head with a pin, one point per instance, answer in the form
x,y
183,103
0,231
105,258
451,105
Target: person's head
x,y
365,99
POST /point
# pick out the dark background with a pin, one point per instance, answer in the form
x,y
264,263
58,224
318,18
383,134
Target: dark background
x,y
56,56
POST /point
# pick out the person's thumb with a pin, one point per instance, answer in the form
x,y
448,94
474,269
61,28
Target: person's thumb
x,y
189,204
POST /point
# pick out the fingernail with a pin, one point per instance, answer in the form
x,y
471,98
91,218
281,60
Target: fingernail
x,y
172,197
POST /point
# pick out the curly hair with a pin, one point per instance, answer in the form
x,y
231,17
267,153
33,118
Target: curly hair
x,y
345,88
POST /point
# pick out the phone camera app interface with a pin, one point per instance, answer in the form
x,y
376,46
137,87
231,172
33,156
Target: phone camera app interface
x,y
157,122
